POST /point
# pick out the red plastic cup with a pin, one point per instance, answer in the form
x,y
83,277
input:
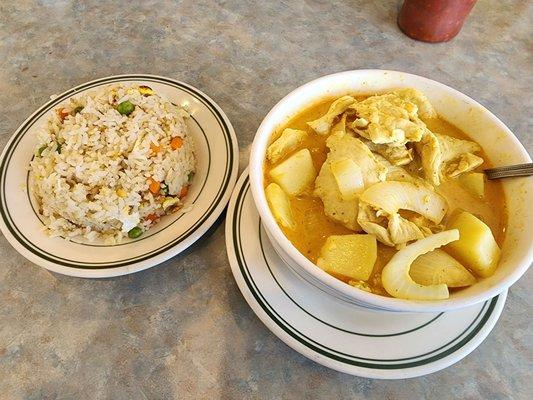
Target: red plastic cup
x,y
433,20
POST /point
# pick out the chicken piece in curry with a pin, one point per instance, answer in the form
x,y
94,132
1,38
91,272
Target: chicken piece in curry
x,y
385,195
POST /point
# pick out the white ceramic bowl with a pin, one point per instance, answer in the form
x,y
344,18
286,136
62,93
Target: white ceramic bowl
x,y
499,143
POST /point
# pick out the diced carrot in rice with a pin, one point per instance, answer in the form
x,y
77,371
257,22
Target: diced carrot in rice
x,y
176,143
153,185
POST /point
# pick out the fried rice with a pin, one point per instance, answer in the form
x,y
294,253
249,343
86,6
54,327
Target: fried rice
x,y
111,162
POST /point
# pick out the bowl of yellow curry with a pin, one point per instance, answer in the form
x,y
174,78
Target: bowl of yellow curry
x,y
370,186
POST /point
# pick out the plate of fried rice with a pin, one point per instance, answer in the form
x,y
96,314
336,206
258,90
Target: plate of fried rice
x,y
116,175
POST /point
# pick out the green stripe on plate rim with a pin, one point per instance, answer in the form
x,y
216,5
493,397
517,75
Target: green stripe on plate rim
x,y
12,144
144,237
386,364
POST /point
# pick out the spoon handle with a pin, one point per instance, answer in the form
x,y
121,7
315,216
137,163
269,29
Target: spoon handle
x,y
509,171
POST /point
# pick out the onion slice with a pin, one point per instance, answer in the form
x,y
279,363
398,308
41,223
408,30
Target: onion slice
x,y
395,275
391,196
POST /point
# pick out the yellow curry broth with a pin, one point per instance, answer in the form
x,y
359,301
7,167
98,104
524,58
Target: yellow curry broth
x,y
313,227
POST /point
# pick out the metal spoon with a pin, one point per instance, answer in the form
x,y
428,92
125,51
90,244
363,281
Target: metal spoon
x,y
509,171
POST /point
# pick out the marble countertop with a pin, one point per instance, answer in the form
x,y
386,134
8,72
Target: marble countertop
x,y
182,329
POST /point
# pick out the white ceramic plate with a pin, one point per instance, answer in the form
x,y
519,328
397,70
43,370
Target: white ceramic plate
x,y
217,168
337,334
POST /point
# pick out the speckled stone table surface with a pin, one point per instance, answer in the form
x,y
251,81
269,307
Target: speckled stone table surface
x,y
182,329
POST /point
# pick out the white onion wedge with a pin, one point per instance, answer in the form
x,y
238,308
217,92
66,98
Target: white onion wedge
x,y
395,275
391,196
436,267
348,176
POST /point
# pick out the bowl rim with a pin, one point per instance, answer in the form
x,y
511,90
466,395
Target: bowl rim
x,y
257,156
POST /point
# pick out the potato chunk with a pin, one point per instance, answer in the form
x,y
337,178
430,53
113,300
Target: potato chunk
x,y
476,249
280,205
349,256
474,183
289,140
349,177
295,174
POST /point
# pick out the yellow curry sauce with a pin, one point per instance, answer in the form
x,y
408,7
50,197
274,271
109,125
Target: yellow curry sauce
x,y
313,227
